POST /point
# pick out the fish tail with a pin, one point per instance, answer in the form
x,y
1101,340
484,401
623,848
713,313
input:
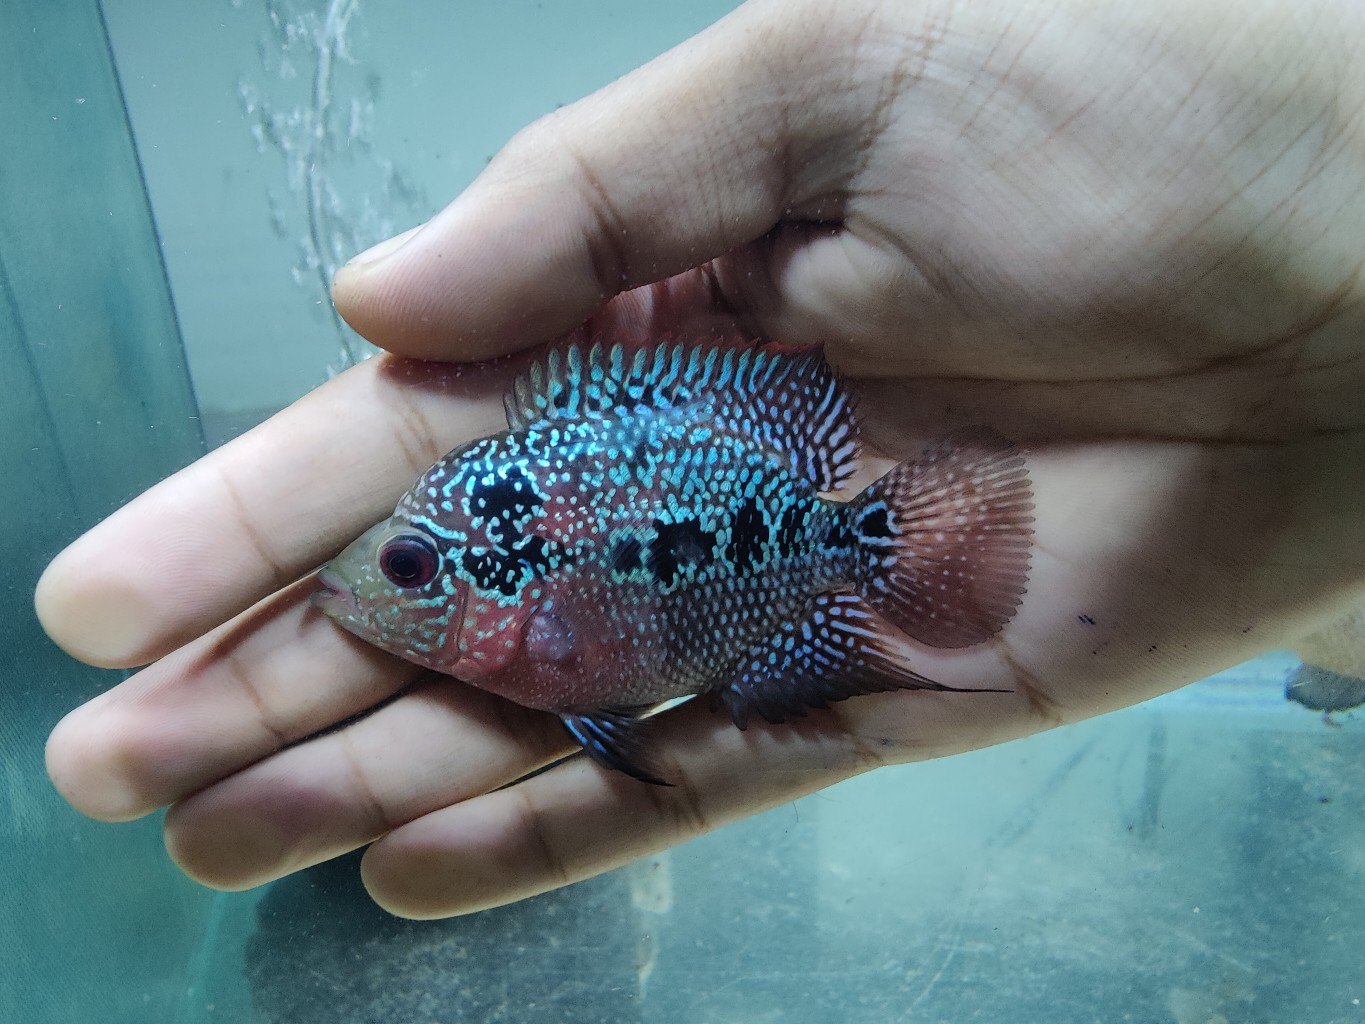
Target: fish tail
x,y
942,542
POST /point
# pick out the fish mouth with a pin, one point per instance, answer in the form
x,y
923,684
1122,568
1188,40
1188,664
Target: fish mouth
x,y
335,599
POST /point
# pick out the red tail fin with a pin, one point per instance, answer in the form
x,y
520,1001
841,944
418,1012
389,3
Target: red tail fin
x,y
944,540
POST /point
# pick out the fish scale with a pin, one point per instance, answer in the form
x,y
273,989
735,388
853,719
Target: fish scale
x,y
713,608
650,526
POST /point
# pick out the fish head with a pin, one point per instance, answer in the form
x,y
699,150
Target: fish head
x,y
451,578
394,586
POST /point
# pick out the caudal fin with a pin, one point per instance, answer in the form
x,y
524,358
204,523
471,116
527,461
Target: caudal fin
x,y
944,540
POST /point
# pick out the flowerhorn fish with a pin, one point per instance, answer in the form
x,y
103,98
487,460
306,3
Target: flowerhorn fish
x,y
651,526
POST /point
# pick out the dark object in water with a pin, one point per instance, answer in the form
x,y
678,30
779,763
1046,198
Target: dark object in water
x,y
1320,689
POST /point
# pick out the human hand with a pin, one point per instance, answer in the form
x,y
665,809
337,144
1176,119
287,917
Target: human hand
x,y
1127,237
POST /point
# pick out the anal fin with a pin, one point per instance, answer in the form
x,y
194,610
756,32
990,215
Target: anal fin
x,y
614,739
838,650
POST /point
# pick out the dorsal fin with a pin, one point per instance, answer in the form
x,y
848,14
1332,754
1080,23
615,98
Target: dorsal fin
x,y
791,399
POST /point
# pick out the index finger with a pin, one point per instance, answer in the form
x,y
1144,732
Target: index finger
x,y
673,165
263,510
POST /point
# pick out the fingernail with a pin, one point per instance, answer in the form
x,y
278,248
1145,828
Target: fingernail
x,y
384,249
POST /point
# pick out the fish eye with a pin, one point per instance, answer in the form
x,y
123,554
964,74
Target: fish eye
x,y
409,560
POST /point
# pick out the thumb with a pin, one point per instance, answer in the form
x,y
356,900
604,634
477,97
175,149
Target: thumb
x,y
670,166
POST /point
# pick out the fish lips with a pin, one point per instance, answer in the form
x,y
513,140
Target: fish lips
x,y
335,599
338,602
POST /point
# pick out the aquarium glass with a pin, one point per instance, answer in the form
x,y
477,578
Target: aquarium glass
x,y
178,182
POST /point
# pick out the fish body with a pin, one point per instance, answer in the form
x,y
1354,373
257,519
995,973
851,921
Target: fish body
x,y
652,525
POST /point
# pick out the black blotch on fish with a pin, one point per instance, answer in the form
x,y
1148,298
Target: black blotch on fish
x,y
538,555
791,527
626,555
748,534
508,570
839,537
677,547
504,503
489,571
1089,621
875,523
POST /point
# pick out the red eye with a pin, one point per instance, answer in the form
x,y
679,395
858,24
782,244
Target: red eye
x,y
410,560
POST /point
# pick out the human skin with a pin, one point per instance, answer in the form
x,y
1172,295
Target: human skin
x,y
1126,235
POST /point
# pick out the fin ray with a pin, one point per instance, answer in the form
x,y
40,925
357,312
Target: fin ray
x,y
835,652
614,739
791,399
945,539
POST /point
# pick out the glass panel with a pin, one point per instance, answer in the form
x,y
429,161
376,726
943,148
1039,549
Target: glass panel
x,y
281,137
96,406
1194,860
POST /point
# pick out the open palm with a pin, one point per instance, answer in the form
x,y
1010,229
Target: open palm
x,y
1093,231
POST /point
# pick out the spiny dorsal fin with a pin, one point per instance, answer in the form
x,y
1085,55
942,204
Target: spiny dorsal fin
x,y
790,399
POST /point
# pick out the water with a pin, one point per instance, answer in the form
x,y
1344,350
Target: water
x,y
1196,860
